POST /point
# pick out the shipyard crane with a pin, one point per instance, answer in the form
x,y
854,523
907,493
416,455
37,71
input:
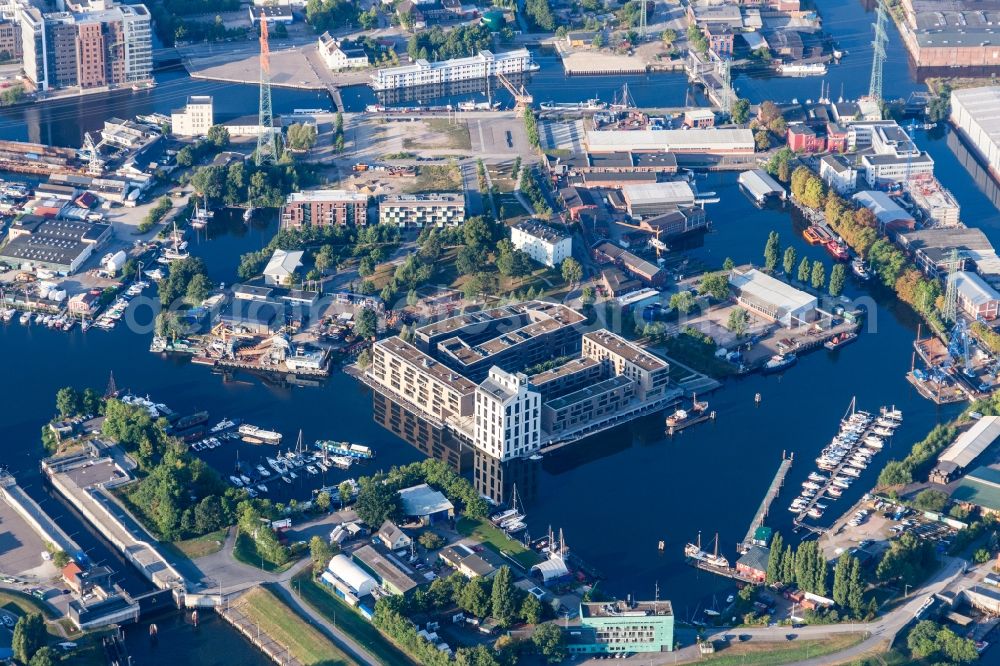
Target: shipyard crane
x,y
878,53
522,98
267,140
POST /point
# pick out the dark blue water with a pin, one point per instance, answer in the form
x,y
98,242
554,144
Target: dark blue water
x,y
616,495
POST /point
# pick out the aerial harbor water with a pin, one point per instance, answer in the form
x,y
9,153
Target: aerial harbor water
x,y
615,495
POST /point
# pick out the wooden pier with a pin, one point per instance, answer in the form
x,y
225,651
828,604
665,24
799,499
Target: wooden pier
x,y
270,647
728,572
765,505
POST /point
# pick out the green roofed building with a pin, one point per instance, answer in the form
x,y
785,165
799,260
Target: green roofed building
x,y
981,488
614,627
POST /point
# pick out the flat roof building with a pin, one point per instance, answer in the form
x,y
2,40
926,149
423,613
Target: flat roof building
x,y
422,210
195,119
621,357
544,244
619,627
62,246
976,114
772,298
711,141
932,250
657,198
429,385
966,449
483,64
322,208
425,504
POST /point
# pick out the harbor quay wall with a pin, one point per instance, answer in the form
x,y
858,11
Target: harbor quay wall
x,y
36,518
275,651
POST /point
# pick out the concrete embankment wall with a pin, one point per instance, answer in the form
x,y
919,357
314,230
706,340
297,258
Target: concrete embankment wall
x,y
37,518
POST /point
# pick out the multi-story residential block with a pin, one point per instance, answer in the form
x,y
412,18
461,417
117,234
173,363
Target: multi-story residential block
x,y
422,210
323,208
649,372
541,242
434,388
481,65
109,47
195,119
507,416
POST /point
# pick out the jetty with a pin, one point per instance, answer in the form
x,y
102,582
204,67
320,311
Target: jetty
x,y
728,572
765,505
269,646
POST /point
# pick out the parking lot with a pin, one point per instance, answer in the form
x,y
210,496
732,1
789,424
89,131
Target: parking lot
x,y
882,522
20,547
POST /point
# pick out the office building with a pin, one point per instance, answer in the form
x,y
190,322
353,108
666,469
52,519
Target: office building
x,y
195,118
481,65
896,158
541,242
108,47
623,358
422,210
620,627
323,208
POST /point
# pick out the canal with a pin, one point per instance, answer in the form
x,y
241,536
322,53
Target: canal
x,y
616,495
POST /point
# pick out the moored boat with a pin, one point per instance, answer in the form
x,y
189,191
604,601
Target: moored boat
x,y
779,362
838,341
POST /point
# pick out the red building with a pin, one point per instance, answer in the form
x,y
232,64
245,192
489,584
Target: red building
x,y
753,564
720,39
836,138
804,139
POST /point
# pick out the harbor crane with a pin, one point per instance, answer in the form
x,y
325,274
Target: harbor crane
x,y
522,98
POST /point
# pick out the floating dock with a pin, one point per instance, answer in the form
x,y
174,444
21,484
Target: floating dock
x,y
765,505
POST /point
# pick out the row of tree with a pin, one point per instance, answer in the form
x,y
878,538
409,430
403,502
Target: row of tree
x,y
460,42
814,274
804,566
922,454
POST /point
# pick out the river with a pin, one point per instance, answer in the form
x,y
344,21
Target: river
x,y
615,495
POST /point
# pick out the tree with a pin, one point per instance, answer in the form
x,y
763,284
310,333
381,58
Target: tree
x,y
302,136
218,136
588,296
430,540
738,321
67,402
683,302
572,272
841,580
377,502
45,656
818,278
323,501
922,640
503,598
772,250
29,636
716,285
741,111
930,500
474,598
531,609
366,323
788,262
774,559
598,40
60,558
320,552
197,289
728,264
761,140
855,588
838,276
813,194
668,37
696,40
344,492
550,642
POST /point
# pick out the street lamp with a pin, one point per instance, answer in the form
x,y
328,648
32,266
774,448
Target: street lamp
x,y
906,591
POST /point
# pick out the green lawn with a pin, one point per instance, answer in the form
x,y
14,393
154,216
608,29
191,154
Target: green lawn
x,y
203,545
245,551
280,622
772,654
698,355
436,178
19,603
495,538
349,620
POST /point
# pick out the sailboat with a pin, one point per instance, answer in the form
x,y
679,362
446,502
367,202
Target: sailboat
x,y
513,522
201,216
694,551
248,213
175,253
623,103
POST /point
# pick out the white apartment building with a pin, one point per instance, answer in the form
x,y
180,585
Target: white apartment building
x,y
508,416
195,118
422,210
541,242
339,54
481,65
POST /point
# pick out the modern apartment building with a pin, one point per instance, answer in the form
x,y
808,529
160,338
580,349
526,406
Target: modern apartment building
x,y
323,208
648,371
106,47
195,119
434,388
541,242
507,416
422,210
481,65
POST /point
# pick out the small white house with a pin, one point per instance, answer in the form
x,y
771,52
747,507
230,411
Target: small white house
x,y
341,54
280,270
541,242
392,537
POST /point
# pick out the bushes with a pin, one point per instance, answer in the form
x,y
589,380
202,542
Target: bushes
x,y
898,472
155,214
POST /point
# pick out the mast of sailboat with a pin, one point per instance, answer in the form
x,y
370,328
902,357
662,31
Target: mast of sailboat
x,y
715,553
298,444
698,543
